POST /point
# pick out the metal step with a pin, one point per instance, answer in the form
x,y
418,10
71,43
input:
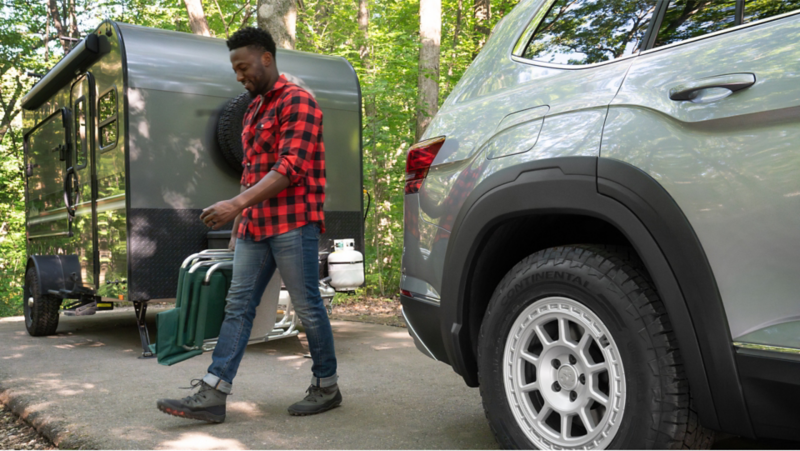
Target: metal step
x,y
83,310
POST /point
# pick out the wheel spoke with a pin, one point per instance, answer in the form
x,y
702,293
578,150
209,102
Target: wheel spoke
x,y
543,413
597,367
563,332
529,387
530,358
584,342
586,419
566,426
599,397
543,336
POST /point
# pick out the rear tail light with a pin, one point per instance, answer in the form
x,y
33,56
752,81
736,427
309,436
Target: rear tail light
x,y
419,160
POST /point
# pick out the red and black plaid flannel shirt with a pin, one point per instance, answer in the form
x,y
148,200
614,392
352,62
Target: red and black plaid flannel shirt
x,y
283,133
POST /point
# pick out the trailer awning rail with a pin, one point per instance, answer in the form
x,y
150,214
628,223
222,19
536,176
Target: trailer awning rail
x,y
89,50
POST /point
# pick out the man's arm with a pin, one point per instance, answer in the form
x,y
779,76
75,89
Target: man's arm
x,y
235,229
223,212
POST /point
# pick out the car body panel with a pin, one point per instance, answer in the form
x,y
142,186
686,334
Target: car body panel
x,y
731,165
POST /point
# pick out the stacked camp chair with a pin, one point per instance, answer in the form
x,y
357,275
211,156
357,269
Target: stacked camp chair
x,y
193,326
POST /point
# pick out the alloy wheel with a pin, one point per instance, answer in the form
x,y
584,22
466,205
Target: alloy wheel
x,y
563,376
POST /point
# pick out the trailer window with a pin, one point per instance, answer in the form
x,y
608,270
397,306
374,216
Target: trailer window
x,y
80,133
107,107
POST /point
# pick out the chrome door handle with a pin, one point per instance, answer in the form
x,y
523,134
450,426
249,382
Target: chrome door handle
x,y
732,82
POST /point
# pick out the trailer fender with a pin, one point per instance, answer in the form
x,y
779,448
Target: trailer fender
x,y
58,273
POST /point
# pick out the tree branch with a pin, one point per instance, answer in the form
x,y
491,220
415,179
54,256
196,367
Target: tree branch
x,y
222,18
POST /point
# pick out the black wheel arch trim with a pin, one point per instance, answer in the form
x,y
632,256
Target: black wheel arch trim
x,y
646,214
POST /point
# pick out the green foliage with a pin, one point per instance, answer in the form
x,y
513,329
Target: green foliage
x,y
21,50
12,235
385,59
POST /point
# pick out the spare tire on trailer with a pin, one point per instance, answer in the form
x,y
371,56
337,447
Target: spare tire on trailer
x,y
229,130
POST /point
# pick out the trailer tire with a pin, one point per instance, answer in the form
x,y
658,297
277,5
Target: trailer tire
x,y
41,315
229,131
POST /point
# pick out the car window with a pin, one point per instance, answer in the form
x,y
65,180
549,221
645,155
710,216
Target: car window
x,y
687,19
578,32
763,9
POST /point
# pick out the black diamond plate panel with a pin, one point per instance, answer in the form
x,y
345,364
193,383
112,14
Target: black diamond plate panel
x,y
340,225
160,239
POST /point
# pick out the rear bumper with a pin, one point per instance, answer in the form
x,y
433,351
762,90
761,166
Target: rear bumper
x,y
424,326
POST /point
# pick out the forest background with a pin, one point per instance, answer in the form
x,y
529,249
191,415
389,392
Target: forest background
x,y
408,55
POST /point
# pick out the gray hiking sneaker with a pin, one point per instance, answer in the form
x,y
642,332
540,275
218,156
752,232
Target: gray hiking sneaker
x,y
318,400
208,404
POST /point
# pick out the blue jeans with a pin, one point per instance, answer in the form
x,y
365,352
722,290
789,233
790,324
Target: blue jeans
x,y
295,254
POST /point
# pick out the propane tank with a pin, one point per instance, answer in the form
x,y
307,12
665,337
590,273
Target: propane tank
x,y
345,266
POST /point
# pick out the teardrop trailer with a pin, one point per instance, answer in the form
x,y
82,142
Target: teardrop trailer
x,y
127,139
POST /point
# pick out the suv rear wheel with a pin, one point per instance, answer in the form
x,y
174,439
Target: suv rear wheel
x,y
576,351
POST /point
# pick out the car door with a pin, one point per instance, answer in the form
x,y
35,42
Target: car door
x,y
712,112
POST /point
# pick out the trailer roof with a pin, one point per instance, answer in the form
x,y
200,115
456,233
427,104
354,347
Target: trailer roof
x,y
181,62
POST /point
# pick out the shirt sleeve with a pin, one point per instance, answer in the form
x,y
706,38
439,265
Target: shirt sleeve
x,y
300,124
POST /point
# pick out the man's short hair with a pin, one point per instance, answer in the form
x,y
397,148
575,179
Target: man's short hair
x,y
252,37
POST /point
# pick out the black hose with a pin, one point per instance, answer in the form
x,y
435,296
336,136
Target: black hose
x,y
369,202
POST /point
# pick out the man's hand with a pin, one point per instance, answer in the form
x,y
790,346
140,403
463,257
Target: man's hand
x,y
220,214
232,243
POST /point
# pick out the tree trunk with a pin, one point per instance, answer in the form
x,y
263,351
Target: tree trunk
x,y
62,31
363,28
9,106
456,34
378,194
197,18
74,33
430,32
279,18
47,37
482,11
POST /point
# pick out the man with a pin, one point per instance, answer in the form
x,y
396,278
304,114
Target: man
x,y
277,218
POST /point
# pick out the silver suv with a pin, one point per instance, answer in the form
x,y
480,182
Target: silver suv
x,y
602,224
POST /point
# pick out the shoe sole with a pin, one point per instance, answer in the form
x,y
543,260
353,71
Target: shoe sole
x,y
305,414
208,417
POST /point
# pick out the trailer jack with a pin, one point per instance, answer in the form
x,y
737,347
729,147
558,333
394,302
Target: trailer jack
x,y
141,310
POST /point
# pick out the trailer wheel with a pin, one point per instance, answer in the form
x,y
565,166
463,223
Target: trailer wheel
x,y
41,311
229,130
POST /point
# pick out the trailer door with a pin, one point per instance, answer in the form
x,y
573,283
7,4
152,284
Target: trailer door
x,y
47,148
80,175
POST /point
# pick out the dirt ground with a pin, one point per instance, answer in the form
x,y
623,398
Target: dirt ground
x,y
17,434
368,310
